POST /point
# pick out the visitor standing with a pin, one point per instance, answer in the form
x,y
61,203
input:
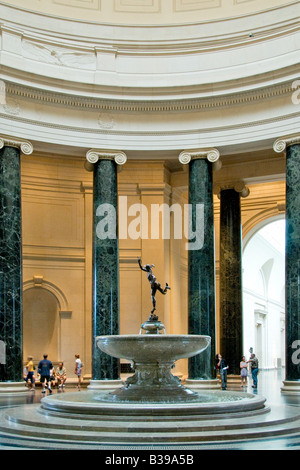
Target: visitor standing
x,y
254,369
78,369
30,373
44,369
222,366
244,371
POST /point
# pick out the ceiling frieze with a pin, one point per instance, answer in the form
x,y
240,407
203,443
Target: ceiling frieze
x,y
155,106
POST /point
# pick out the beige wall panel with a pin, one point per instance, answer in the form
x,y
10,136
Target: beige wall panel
x,y
52,219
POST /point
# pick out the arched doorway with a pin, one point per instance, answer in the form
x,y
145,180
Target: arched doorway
x,y
263,293
40,324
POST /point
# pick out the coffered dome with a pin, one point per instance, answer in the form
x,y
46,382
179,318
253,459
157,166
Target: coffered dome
x,y
148,11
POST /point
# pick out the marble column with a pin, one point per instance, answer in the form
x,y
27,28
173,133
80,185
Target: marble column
x,y
231,296
11,339
292,258
105,265
201,262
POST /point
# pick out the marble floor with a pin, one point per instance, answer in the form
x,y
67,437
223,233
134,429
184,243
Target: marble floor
x,y
269,383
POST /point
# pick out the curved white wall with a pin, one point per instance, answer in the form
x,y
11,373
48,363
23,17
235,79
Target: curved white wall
x,y
263,304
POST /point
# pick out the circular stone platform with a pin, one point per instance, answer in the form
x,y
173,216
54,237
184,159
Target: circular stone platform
x,y
89,420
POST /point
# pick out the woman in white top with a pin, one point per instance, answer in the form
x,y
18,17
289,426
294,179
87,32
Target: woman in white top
x,y
244,372
78,369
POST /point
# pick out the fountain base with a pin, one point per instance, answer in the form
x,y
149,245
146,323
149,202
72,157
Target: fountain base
x,y
90,420
153,382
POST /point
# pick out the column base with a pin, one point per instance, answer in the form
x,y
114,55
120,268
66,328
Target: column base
x,y
105,384
203,384
12,387
291,387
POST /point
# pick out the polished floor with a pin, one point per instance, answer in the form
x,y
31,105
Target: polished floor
x,y
269,383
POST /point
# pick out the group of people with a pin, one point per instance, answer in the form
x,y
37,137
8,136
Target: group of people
x,y
48,375
222,367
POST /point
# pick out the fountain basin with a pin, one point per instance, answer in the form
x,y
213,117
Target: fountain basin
x,y
153,348
153,357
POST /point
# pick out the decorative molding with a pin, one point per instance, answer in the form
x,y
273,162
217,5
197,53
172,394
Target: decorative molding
x,y
56,55
40,282
192,5
119,105
84,4
106,121
137,6
282,143
25,146
211,154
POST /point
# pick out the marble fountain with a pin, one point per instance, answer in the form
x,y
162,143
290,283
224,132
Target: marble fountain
x,y
151,410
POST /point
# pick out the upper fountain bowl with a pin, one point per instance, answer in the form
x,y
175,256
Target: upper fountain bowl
x,y
156,347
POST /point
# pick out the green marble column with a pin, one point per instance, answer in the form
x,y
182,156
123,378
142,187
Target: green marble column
x,y
201,273
105,320
11,367
231,304
291,144
293,263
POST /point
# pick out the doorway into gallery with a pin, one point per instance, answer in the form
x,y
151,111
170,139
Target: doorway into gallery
x,y
264,293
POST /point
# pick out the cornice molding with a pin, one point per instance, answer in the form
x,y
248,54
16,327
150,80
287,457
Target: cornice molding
x,y
41,24
155,105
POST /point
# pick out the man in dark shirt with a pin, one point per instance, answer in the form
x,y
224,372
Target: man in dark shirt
x,y
44,369
254,369
222,366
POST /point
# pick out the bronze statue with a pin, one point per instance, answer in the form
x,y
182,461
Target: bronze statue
x,y
155,286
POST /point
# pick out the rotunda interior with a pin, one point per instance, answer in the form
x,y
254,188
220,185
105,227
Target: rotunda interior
x,y
151,81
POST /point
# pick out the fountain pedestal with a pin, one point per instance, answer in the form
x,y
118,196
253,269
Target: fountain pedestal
x,y
153,382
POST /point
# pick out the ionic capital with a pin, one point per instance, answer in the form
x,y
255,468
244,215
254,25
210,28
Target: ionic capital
x,y
282,143
25,146
238,186
211,154
118,156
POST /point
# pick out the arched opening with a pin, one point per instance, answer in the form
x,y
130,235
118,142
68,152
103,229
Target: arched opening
x,y
40,324
263,293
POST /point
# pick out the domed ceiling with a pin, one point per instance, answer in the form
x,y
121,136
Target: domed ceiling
x,y
147,11
150,74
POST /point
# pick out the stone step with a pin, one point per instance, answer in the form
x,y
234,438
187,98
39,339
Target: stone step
x,y
147,432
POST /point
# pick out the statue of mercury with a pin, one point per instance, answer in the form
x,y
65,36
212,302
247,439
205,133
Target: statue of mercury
x,y
155,286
